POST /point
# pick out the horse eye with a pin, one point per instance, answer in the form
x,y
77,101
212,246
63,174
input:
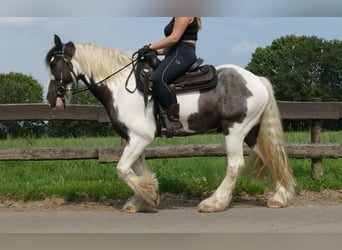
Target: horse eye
x,y
52,59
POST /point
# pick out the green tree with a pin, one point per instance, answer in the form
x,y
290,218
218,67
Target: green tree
x,y
80,128
301,68
20,88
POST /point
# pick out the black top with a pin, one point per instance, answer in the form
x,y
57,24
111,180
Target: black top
x,y
189,34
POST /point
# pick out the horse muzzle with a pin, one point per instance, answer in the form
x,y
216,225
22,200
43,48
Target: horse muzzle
x,y
60,104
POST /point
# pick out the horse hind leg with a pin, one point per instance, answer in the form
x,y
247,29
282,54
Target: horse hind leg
x,y
270,148
283,182
223,194
282,179
267,151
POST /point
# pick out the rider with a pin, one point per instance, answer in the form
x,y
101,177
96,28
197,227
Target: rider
x,y
179,48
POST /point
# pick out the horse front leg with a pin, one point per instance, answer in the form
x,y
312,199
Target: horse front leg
x,y
223,194
132,169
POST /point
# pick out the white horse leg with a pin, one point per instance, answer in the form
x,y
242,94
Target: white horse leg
x,y
281,195
271,146
143,183
136,203
223,194
258,164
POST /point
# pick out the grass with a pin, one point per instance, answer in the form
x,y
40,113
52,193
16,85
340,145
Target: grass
x,y
88,179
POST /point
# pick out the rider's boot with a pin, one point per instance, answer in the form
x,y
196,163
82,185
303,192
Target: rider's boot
x,y
173,115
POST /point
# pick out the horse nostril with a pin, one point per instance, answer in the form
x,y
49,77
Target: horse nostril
x,y
52,104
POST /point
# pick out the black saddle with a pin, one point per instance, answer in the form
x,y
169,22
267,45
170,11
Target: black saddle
x,y
198,76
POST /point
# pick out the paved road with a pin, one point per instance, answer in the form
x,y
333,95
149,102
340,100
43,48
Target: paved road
x,y
307,219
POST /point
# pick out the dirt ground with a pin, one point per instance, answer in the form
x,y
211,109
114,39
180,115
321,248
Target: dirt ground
x,y
168,201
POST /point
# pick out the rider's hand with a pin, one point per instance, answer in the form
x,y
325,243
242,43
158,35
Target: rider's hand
x,y
143,51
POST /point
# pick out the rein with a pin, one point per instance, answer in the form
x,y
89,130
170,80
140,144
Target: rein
x,y
76,91
62,89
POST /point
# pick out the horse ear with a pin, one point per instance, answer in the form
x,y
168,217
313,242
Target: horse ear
x,y
69,50
58,41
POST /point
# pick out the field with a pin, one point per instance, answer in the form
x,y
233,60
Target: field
x,y
90,180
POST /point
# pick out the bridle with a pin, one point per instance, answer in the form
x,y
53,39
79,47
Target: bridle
x,y
62,89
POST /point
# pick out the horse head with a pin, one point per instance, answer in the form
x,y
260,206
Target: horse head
x,y
61,75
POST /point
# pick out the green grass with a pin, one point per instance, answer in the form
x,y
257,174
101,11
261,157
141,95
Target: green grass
x,y
88,179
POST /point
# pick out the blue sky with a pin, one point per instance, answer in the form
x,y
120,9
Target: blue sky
x,y
26,36
26,40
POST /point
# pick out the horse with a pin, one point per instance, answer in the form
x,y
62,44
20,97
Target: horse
x,y
242,106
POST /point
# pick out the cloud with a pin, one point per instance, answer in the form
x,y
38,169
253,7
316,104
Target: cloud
x,y
243,47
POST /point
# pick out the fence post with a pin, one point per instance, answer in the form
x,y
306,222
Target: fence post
x,y
316,137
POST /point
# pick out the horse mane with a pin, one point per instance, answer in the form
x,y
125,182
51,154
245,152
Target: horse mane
x,y
99,61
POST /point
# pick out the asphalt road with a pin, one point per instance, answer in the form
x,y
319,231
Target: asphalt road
x,y
304,219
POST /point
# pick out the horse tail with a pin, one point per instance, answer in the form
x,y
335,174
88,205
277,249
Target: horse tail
x,y
270,150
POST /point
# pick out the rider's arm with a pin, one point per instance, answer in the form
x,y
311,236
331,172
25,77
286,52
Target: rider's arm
x,y
180,25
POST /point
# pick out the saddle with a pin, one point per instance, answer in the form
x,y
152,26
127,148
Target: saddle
x,y
198,77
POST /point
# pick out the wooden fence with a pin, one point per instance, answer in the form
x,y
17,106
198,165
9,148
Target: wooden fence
x,y
314,111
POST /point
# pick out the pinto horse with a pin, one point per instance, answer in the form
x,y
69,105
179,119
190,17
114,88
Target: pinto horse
x,y
242,105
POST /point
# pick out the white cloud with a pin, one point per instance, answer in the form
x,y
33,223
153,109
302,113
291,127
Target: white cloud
x,y
243,47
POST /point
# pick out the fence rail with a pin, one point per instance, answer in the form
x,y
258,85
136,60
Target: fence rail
x,y
112,154
288,110
315,111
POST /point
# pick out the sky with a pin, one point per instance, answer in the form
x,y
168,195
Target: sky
x,y
26,34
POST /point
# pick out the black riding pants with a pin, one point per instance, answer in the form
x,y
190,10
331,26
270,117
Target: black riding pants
x,y
177,61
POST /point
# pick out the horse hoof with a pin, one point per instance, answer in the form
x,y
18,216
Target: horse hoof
x,y
208,210
129,209
205,208
275,204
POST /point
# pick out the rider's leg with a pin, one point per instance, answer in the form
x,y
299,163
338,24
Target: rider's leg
x,y
176,63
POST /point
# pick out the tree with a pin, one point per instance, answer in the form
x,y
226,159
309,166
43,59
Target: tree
x,y
20,88
301,68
